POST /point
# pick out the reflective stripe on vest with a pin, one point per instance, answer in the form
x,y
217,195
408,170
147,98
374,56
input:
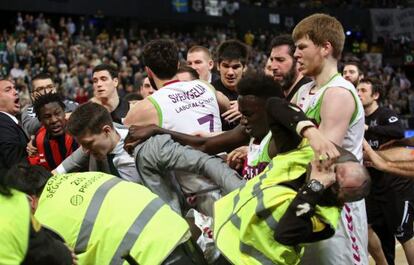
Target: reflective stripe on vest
x,y
105,218
91,214
267,215
246,219
135,230
14,227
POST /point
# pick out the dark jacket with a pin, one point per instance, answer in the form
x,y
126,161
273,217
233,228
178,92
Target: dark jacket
x,y
13,142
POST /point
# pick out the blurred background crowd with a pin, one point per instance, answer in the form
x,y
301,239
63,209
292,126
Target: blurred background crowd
x,y
70,46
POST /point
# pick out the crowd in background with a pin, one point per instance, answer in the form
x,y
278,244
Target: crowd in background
x,y
70,48
330,3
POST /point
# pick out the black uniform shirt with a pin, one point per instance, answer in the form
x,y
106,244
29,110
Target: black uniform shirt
x,y
383,126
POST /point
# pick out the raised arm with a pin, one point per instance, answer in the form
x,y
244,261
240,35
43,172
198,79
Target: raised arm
x,y
223,101
226,141
142,113
398,160
288,124
167,155
338,105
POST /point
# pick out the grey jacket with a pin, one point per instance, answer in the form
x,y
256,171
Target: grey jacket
x,y
156,158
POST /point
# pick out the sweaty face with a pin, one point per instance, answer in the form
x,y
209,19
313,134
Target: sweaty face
x,y
309,57
253,117
200,62
98,145
231,72
52,116
283,66
366,95
104,86
351,74
9,98
146,89
42,86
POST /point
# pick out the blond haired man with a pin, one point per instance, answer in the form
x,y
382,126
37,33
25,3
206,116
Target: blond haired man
x,y
334,104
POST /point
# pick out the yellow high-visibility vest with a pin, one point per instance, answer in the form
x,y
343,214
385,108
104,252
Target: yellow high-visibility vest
x,y
14,228
246,218
103,218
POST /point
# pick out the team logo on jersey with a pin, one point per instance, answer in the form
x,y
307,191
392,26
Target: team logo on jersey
x,y
392,119
374,143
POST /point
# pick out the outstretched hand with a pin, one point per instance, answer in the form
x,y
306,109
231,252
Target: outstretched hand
x,y
233,113
236,157
372,158
137,135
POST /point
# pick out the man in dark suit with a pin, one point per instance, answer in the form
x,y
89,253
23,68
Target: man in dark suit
x,y
13,139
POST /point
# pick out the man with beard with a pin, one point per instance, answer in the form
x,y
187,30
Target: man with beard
x,y
254,90
283,66
284,72
352,72
52,142
13,139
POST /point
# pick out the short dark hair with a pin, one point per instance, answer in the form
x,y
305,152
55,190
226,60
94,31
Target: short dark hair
x,y
42,76
88,118
112,70
133,96
284,39
232,50
161,56
44,99
30,179
188,69
259,85
376,85
357,65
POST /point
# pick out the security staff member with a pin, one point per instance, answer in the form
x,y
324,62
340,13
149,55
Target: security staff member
x,y
104,218
267,218
22,239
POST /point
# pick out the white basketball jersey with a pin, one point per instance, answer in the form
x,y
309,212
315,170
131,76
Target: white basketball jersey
x,y
187,107
349,245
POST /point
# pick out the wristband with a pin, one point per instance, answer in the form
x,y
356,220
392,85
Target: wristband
x,y
302,126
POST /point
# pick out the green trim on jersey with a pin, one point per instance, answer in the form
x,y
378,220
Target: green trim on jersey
x,y
158,108
315,112
264,154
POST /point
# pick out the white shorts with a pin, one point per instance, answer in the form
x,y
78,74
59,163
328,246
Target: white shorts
x,y
349,245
